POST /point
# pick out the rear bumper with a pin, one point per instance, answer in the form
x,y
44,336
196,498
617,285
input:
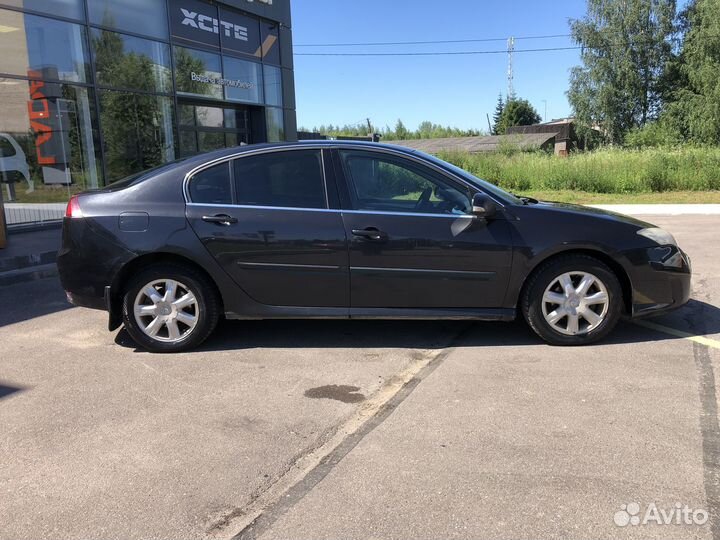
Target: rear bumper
x,y
87,263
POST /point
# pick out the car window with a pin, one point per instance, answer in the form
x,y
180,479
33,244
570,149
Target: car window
x,y
286,179
6,148
380,183
212,185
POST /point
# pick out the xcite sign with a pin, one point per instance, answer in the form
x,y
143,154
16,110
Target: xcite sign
x,y
211,24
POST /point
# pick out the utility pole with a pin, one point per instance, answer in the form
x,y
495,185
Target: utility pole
x,y
511,49
370,129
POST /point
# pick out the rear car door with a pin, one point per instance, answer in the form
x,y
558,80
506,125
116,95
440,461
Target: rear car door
x,y
264,217
413,242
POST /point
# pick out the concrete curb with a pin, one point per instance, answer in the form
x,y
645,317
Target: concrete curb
x,y
31,273
22,262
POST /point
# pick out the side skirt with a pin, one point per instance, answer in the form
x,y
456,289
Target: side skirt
x,y
283,312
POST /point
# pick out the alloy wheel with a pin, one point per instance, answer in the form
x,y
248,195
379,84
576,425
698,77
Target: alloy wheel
x,y
166,310
575,303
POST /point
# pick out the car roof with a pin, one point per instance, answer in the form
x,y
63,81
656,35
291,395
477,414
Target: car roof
x,y
238,150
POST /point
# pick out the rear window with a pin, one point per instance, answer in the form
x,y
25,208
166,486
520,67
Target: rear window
x,y
141,176
212,185
287,179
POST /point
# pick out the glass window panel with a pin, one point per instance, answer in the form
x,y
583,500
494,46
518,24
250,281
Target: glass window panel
x,y
270,44
198,73
187,115
210,140
380,183
273,85
236,118
71,9
209,116
290,179
188,143
49,139
240,33
147,17
274,124
212,186
244,80
42,48
195,23
138,132
130,62
231,139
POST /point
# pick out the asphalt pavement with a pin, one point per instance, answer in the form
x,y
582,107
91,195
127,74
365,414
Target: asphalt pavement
x,y
362,429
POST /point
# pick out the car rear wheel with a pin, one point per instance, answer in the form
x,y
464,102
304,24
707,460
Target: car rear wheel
x,y
572,300
170,308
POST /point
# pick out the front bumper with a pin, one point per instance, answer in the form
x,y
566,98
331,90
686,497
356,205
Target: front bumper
x,y
661,281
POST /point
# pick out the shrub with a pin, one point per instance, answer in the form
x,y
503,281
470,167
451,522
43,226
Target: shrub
x,y
609,170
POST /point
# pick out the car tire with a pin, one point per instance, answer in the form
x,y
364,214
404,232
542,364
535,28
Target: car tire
x,y
563,300
179,315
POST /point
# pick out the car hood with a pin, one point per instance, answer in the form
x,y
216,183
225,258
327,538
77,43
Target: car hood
x,y
577,209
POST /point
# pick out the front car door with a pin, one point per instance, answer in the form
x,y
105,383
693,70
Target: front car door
x,y
265,218
413,242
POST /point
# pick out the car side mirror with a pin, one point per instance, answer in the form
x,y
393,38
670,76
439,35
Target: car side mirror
x,y
483,206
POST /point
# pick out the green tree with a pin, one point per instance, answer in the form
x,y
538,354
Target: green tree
x,y
134,125
626,47
516,112
694,108
401,132
497,115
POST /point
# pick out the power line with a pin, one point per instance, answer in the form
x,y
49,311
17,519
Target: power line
x,y
445,53
433,42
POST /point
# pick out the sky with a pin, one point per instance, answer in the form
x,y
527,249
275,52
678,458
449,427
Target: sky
x,y
450,90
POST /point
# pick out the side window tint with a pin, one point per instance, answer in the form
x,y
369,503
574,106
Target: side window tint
x,y
381,183
212,185
287,179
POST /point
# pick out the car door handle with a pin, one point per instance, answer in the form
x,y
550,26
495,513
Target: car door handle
x,y
371,233
220,219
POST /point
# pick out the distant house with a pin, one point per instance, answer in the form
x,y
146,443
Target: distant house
x,y
563,131
473,145
558,135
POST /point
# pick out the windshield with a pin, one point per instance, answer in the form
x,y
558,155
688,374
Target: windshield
x,y
492,189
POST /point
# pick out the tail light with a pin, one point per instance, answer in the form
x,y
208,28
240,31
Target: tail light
x,y
73,208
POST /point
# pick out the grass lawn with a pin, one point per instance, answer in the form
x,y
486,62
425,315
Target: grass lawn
x,y
668,197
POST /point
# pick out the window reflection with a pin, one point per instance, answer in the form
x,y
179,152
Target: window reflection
x,y
195,72
246,79
70,9
130,62
273,85
146,17
270,44
138,132
39,47
49,140
274,124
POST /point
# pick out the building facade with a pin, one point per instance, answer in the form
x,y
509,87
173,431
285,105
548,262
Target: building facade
x,y
92,91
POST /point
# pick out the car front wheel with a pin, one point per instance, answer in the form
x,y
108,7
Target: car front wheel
x,y
572,300
170,308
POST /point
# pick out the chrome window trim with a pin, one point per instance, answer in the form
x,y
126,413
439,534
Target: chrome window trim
x,y
282,148
242,154
419,160
332,210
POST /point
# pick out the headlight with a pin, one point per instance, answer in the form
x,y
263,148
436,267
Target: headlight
x,y
659,236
